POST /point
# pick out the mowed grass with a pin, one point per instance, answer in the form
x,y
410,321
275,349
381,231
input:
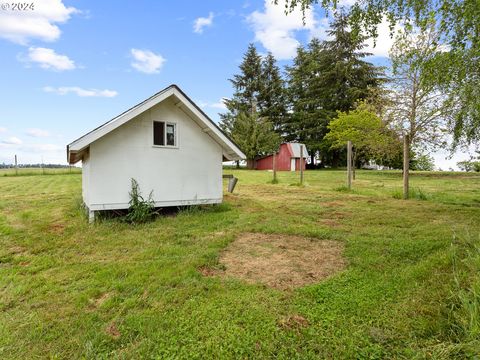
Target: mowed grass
x,y
111,290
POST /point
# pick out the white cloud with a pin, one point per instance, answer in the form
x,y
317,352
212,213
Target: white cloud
x,y
49,59
3,130
63,90
12,141
36,148
383,43
220,104
39,23
276,30
34,132
147,61
202,22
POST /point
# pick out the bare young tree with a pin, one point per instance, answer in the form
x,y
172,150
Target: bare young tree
x,y
419,108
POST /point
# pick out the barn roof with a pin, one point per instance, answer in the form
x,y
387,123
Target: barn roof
x,y
295,147
231,151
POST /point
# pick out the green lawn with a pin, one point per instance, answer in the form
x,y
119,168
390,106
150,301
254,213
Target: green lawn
x,y
111,290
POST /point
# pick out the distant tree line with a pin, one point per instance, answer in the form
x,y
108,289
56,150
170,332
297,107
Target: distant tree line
x,y
27,166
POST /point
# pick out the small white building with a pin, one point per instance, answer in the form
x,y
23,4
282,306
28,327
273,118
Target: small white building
x,y
166,143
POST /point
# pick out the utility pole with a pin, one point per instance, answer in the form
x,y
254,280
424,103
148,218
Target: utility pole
x,y
301,164
349,165
406,165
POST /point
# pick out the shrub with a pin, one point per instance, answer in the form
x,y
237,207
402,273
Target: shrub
x,y
141,210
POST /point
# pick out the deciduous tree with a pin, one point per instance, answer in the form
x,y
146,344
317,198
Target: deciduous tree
x,y
420,110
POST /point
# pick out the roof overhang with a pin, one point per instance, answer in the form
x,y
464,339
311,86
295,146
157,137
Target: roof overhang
x,y
79,148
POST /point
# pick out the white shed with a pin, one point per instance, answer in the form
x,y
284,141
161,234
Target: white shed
x,y
166,143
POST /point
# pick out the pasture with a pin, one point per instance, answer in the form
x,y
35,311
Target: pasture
x,y
410,287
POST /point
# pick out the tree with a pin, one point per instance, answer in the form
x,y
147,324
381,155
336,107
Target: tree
x,y
422,162
470,165
246,87
271,96
456,69
308,118
327,77
419,108
256,109
254,135
370,137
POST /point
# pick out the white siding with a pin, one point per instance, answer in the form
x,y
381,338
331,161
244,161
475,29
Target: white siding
x,y
85,179
191,173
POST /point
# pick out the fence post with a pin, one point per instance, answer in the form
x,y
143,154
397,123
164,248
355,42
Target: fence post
x,y
274,166
16,165
406,166
301,164
349,164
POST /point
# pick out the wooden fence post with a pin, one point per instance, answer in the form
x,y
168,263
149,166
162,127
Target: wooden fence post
x,y
16,165
301,164
349,164
406,166
274,166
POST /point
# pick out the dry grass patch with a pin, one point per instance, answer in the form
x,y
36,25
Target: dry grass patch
x,y
282,261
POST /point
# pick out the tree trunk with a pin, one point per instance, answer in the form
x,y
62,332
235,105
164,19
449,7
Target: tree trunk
x,y
250,164
349,165
238,164
406,163
354,163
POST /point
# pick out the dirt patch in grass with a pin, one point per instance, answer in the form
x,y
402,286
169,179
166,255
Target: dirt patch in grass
x,y
99,301
113,331
281,261
57,228
293,322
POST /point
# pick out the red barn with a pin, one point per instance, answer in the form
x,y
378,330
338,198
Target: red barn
x,y
288,158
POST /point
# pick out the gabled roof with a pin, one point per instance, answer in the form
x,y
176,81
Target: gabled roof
x,y
77,148
295,150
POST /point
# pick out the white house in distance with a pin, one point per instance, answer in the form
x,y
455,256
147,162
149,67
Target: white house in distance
x,y
166,143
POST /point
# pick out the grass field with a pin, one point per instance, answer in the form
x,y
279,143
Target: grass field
x,y
411,288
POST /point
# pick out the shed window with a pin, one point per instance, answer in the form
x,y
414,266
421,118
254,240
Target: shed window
x,y
170,134
164,134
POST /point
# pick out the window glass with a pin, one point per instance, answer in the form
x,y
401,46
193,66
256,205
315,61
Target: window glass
x,y
170,134
158,133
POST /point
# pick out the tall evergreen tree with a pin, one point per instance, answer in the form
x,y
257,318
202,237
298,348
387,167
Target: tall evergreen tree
x,y
327,77
246,87
271,98
347,77
255,111
308,118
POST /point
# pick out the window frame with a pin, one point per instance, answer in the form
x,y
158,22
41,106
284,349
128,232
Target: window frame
x,y
175,134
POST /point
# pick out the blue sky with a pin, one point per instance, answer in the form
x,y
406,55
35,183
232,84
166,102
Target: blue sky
x,y
69,66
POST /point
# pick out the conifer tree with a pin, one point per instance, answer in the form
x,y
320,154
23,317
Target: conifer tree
x,y
271,98
327,77
256,109
246,87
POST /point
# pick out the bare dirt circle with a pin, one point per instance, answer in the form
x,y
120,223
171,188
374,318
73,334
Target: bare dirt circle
x,y
281,261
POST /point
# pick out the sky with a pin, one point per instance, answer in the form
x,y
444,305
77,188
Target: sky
x,y
69,66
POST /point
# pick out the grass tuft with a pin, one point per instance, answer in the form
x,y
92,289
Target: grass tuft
x,y
414,193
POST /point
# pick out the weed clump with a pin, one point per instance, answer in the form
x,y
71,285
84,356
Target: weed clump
x,y
141,210
414,193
